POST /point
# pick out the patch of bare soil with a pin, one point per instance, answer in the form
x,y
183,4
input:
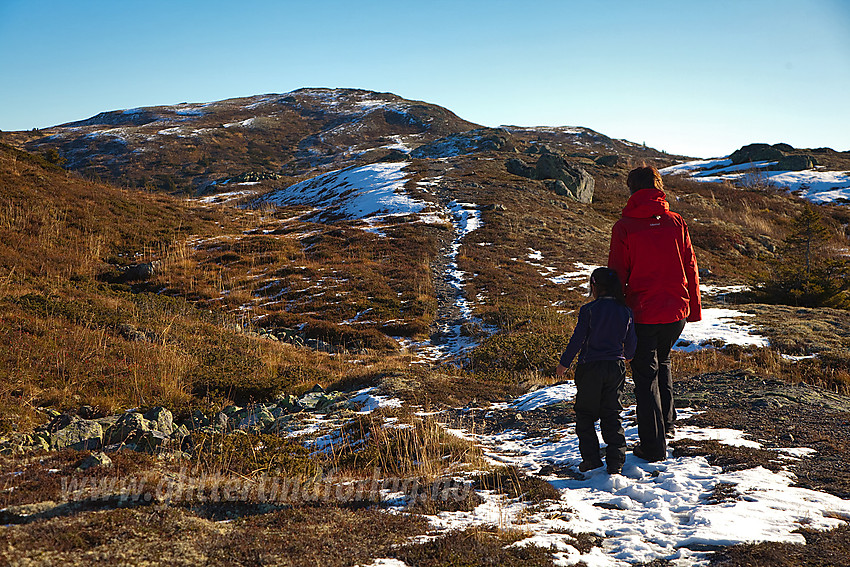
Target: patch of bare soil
x,y
822,549
777,415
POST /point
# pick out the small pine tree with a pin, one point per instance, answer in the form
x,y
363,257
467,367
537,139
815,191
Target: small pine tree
x,y
807,272
808,236
53,156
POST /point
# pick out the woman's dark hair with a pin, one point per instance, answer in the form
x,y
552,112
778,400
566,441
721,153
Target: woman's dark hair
x,y
607,282
646,177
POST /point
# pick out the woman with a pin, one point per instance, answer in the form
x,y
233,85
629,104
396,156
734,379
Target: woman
x,y
652,254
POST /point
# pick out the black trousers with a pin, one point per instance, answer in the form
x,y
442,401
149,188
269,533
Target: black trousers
x,y
651,372
599,386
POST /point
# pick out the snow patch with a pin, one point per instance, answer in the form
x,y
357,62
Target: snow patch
x,y
719,325
353,193
815,185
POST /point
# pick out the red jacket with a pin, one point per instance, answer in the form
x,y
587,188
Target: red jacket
x,y
651,252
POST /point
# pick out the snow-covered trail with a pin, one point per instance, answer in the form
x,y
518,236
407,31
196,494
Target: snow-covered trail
x,y
653,510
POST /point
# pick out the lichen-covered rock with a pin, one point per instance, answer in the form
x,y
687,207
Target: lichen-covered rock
x,y
163,418
796,162
95,460
575,181
80,434
259,419
519,167
608,160
756,152
151,441
128,428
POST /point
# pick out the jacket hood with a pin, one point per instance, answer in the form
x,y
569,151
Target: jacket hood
x,y
646,203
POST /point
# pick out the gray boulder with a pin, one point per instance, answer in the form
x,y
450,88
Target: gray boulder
x,y
795,163
131,333
756,152
519,167
139,272
80,434
95,460
151,441
163,418
575,182
608,161
578,183
259,419
128,429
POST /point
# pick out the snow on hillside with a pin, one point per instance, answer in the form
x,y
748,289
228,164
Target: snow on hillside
x,y
719,326
372,191
816,185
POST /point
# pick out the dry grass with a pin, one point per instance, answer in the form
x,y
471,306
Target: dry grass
x,y
311,535
822,549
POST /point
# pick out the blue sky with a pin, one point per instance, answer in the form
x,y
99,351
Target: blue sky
x,y
699,78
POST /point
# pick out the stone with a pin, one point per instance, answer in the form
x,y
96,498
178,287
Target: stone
x,y
288,403
86,412
108,421
139,272
80,434
260,419
221,421
313,401
578,183
519,167
151,441
557,186
163,418
131,333
59,422
608,161
229,411
755,152
128,428
51,413
40,442
797,162
280,424
95,460
198,420
180,432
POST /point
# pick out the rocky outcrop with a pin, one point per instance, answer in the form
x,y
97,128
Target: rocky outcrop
x,y
155,431
80,434
481,140
608,160
139,272
796,162
560,176
756,152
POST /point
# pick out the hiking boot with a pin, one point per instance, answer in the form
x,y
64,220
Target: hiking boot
x,y
614,469
638,452
585,466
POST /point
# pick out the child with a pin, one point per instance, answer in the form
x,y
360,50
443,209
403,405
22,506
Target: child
x,y
604,339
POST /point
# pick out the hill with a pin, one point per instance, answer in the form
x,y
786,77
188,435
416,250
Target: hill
x,y
193,147
343,289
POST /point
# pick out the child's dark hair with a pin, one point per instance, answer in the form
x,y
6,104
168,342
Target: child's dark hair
x,y
607,283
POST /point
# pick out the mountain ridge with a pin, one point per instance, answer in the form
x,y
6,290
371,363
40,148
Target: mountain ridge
x,y
193,145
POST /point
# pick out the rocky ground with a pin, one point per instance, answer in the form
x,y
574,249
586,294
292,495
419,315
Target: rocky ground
x,y
774,413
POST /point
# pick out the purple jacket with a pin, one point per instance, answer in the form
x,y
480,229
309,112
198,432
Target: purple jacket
x,y
605,331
